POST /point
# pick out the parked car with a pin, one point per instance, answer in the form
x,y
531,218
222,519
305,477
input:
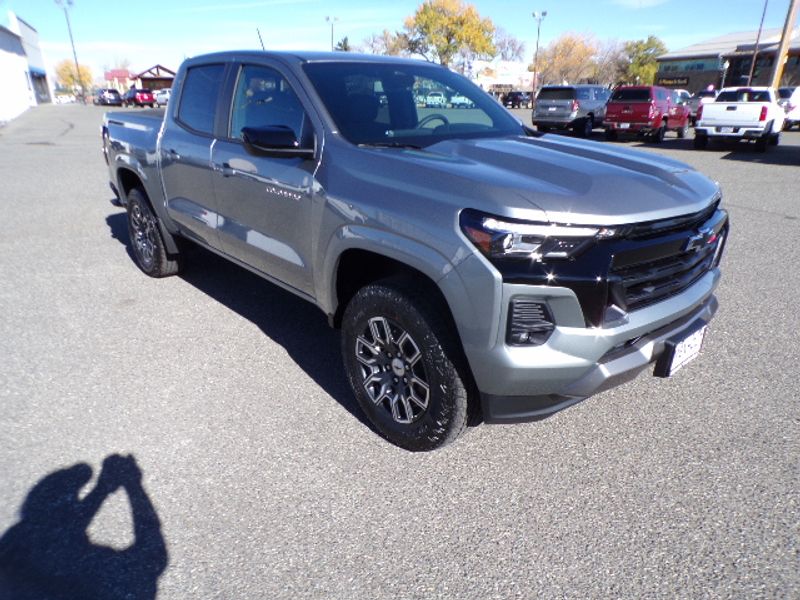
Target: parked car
x,y
577,107
517,100
645,110
436,100
475,267
789,99
138,97
162,96
683,95
699,99
460,101
107,97
741,113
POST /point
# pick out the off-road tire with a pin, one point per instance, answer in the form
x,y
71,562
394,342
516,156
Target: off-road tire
x,y
683,131
658,134
405,305
147,243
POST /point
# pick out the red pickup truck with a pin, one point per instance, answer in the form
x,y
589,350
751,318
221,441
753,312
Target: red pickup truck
x,y
646,110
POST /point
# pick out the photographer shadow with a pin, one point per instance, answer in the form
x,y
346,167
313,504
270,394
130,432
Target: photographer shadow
x,y
48,553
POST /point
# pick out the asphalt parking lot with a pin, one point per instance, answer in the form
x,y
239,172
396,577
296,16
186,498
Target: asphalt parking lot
x,y
258,478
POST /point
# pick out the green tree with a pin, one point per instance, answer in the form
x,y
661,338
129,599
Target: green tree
x,y
440,29
642,54
66,76
343,45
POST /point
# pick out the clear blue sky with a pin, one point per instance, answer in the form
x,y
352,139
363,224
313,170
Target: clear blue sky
x,y
147,32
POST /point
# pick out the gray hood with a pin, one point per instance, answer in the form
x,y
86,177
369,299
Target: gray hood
x,y
571,181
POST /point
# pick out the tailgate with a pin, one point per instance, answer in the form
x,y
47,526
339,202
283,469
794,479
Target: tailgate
x,y
736,114
628,112
546,108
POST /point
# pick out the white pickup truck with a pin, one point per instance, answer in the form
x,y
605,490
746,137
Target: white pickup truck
x,y
741,113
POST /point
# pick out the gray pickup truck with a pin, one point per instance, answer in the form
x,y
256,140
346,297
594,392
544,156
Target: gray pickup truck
x,y
478,270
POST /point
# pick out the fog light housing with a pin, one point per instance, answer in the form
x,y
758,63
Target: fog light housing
x,y
530,323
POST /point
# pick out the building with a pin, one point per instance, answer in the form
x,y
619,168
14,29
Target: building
x,y
23,75
37,70
726,60
17,93
119,79
155,78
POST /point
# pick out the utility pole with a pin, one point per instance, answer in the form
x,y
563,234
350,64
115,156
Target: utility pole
x,y
66,4
539,17
783,49
331,20
758,39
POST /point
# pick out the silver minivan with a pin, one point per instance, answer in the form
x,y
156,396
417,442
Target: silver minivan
x,y
577,107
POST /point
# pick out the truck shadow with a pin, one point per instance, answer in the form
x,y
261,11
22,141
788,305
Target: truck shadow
x,y
297,325
48,554
782,154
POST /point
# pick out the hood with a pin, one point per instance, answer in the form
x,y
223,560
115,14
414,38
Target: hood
x,y
570,180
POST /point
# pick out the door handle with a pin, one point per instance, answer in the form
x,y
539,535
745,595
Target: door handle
x,y
224,169
173,154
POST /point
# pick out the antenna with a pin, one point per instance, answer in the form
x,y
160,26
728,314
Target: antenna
x,y
258,31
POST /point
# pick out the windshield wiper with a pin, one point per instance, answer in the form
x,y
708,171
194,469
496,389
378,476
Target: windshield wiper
x,y
390,145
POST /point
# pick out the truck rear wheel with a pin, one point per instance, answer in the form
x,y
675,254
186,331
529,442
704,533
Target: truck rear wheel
x,y
146,240
700,142
404,366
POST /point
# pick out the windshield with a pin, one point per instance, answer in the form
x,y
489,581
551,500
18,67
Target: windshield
x,y
744,95
405,104
785,93
631,95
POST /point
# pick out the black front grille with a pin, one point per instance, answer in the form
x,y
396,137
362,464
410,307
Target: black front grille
x,y
665,226
641,284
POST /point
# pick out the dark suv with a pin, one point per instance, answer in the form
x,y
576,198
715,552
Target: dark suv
x,y
517,99
107,97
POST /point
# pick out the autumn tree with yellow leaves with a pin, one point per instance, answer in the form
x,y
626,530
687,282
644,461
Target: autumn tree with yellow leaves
x,y
67,77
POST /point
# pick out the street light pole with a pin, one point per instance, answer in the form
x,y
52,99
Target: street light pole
x,y
331,20
758,39
66,4
539,17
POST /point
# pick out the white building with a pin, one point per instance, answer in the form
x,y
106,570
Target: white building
x,y
23,76
17,91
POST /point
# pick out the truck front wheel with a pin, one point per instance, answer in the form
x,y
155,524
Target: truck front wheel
x,y
404,366
147,243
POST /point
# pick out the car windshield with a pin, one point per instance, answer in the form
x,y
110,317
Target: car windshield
x,y
705,94
560,93
744,95
389,104
785,93
631,95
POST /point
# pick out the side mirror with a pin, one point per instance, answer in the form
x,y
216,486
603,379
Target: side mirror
x,y
274,140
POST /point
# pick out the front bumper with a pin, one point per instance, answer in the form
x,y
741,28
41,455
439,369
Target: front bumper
x,y
577,377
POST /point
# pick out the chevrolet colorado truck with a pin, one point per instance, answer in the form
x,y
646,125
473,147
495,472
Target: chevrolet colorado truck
x,y
743,113
478,270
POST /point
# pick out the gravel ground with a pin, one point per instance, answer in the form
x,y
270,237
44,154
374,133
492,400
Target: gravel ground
x,y
259,478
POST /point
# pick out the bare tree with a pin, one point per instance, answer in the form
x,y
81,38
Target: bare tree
x,y
508,47
386,42
610,62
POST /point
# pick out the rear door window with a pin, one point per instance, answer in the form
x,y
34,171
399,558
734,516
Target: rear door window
x,y
199,97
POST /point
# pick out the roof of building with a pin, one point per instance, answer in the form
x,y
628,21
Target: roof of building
x,y
730,43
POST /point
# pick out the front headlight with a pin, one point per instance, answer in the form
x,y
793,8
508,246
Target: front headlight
x,y
499,237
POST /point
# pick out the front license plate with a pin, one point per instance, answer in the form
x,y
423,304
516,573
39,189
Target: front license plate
x,y
680,351
726,129
624,125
